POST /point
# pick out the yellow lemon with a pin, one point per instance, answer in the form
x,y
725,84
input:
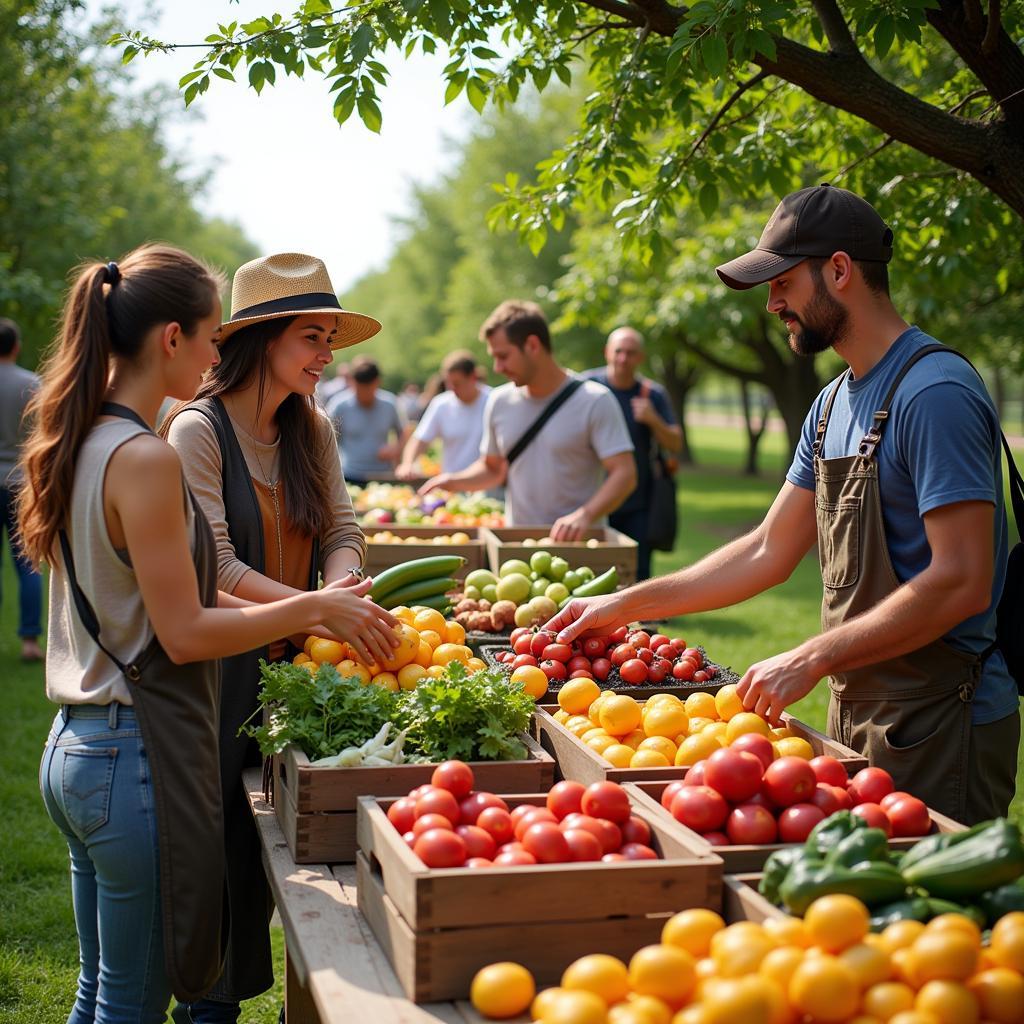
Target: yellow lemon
x,y
577,695
701,705
619,755
619,714
746,721
454,632
666,720
728,703
326,651
387,680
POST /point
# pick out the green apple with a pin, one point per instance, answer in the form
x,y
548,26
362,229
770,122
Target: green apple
x,y
471,594
557,592
516,566
524,615
572,580
514,587
585,573
539,586
543,607
489,593
559,567
540,562
480,578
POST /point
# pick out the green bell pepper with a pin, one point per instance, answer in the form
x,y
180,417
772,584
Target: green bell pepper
x,y
776,867
1004,900
915,909
872,883
828,833
863,845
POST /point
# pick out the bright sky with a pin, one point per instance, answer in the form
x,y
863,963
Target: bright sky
x,y
283,167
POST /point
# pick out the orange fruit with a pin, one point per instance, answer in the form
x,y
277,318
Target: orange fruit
x,y
445,653
944,955
544,1001
901,934
308,643
424,653
728,703
793,746
1007,945
780,964
410,675
618,754
662,745
594,709
634,739
701,705
429,618
1000,994
406,651
825,989
404,614
454,632
715,731
657,1011
437,671
502,990
326,651
745,722
666,719
349,669
782,732
787,931
619,714
560,716
577,695
696,748
605,976
300,658
837,921
476,664
575,1006
661,698
578,725
599,744
649,759
886,999
387,680
912,1017
740,948
431,637
748,1000
665,972
533,680
692,930
955,922
949,1002
869,963
696,724
311,667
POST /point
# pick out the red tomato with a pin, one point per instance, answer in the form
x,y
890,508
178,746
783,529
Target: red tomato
x,y
514,858
678,644
518,632
874,816
613,858
455,776
564,798
659,640
789,780
716,838
523,659
440,848
636,830
750,824
429,821
582,844
762,801
684,670
545,841
582,673
540,640
521,809
700,676
601,667
622,654
645,654
579,663
658,671
513,847
415,794
532,817
479,842
498,822
638,851
410,838
694,655
557,652
890,798
796,822
523,645
633,671
617,635
909,817
700,807
479,862
606,800
439,801
606,832
554,669
736,774
669,792
666,651
695,774
471,806
828,770
756,744
639,638
402,813
869,785
595,646
824,797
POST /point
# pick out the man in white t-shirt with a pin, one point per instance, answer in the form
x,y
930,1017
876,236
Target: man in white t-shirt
x,y
456,416
579,467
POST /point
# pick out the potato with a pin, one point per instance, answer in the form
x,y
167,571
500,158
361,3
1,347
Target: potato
x,y
480,622
503,613
466,605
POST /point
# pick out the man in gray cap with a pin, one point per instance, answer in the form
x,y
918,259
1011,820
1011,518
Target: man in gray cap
x,y
898,479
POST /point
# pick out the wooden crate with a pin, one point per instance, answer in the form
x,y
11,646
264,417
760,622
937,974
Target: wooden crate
x,y
439,927
578,762
316,807
382,556
741,859
742,902
613,548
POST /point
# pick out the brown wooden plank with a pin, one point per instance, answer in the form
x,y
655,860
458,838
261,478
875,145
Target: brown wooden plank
x,y
381,556
742,902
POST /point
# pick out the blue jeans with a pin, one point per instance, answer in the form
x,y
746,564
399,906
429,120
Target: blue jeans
x,y
30,583
98,791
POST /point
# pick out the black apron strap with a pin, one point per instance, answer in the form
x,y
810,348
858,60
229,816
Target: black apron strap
x,y
548,411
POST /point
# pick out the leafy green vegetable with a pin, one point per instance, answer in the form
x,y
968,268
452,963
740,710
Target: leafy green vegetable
x,y
321,714
472,717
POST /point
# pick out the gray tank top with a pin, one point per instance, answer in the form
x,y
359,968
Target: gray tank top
x,y
77,671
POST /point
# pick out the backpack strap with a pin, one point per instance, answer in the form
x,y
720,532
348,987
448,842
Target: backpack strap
x,y
547,412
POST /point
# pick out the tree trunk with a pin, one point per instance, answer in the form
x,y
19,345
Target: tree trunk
x,y
755,428
680,377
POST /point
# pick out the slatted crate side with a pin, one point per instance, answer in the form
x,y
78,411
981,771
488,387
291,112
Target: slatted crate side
x,y
338,789
459,897
440,963
742,902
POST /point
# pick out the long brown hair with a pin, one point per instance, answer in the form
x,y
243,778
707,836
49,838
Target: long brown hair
x,y
109,310
244,362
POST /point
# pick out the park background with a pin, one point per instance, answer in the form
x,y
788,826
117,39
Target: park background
x,y
97,156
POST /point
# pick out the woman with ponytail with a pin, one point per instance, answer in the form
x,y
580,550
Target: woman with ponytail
x,y
130,770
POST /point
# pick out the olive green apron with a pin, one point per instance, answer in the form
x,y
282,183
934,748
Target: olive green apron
x,y
912,714
177,710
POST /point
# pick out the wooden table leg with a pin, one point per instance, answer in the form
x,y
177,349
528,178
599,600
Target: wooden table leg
x,y
298,1003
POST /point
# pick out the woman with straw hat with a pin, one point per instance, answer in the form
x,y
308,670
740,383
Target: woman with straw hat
x,y
264,465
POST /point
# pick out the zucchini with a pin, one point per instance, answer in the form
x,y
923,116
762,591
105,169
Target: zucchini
x,y
434,567
411,592
438,601
603,584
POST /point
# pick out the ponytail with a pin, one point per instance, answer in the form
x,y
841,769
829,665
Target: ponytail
x,y
110,310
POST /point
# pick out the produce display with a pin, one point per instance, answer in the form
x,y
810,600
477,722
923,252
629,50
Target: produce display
x,y
338,719
423,582
747,793
626,657
827,968
532,591
381,503
448,825
387,537
976,872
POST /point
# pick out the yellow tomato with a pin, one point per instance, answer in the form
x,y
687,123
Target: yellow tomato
x,y
825,989
349,669
649,759
301,658
946,955
404,614
793,746
696,748
437,671
692,930
666,719
701,705
445,653
386,680
326,651
476,664
605,976
1000,994
662,745
406,651
887,998
949,1002
618,754
727,702
665,972
430,618
454,632
599,744
619,714
561,716
431,637
746,722
424,653
836,921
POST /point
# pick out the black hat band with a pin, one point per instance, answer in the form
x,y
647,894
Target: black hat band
x,y
309,300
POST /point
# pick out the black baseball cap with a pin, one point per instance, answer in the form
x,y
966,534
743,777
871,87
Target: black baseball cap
x,y
815,221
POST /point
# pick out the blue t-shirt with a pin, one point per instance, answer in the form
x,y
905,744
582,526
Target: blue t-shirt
x,y
941,445
640,433
363,430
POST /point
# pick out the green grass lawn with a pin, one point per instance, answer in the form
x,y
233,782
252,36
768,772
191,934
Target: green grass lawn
x,y
38,950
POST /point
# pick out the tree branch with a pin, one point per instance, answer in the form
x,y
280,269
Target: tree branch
x,y
722,111
628,11
990,43
606,24
741,373
840,39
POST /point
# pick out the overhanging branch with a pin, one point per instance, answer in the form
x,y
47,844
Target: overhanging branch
x,y
840,39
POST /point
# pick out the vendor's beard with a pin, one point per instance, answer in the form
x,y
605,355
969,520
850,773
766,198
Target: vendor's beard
x,y
823,325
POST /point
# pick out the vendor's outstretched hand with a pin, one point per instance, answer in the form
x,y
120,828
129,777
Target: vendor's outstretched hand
x,y
441,480
770,686
588,616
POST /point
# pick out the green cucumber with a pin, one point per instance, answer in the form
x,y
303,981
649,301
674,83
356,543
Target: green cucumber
x,y
434,567
438,601
410,593
603,584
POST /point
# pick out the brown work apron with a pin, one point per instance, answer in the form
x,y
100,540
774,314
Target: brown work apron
x,y
910,715
177,710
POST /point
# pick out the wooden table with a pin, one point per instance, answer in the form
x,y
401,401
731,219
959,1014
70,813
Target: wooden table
x,y
335,971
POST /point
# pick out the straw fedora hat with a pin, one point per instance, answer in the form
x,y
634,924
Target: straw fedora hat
x,y
292,284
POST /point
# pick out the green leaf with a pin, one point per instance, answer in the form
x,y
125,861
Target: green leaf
x,y
257,76
190,77
369,112
129,54
715,54
455,86
707,198
885,33
476,94
224,73
362,42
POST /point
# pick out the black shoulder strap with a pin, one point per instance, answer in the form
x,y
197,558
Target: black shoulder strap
x,y
548,411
